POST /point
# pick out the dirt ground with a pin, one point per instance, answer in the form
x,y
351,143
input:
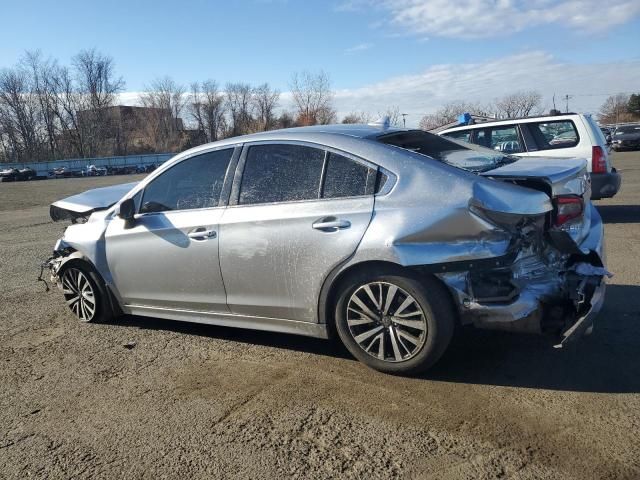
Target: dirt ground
x,y
193,401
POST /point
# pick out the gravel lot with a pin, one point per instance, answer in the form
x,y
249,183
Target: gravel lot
x,y
190,401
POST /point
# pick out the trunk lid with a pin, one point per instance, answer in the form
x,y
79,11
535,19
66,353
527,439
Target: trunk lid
x,y
567,176
567,184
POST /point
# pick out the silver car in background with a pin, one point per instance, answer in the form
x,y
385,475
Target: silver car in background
x,y
388,237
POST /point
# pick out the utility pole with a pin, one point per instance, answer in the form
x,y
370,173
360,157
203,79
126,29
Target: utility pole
x,y
404,119
567,97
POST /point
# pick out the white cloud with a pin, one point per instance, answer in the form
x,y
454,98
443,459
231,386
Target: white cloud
x,y
424,93
361,47
490,18
129,98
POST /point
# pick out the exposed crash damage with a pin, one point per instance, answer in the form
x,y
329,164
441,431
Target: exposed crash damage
x,y
516,245
553,279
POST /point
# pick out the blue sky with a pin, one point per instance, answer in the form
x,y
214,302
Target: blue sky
x,y
416,54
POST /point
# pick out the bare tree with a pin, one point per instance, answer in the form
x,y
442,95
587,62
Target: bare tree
x,y
43,72
164,99
69,102
265,101
449,112
313,98
285,120
98,88
615,109
357,117
519,104
207,107
393,113
239,105
19,115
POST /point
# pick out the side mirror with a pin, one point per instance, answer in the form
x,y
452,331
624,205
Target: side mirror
x,y
127,211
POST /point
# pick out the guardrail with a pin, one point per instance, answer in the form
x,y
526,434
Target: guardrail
x,y
77,164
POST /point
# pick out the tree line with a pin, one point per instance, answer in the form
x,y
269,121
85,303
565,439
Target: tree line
x,y
620,108
513,105
50,111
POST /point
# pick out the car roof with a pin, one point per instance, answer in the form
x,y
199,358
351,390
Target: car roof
x,y
508,121
350,130
329,135
356,139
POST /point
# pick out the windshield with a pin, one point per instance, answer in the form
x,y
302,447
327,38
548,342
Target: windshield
x,y
457,153
628,129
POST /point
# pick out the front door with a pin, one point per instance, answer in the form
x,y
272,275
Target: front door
x,y
300,211
169,257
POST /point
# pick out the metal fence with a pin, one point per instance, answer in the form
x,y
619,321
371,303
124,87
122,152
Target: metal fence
x,y
76,164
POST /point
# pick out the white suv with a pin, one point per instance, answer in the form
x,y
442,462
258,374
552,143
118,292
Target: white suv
x,y
559,136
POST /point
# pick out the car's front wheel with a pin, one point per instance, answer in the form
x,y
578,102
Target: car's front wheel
x,y
395,322
85,293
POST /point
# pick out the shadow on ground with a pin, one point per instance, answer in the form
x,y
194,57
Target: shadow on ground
x,y
607,361
619,213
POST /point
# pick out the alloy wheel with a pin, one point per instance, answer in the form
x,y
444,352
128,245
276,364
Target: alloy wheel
x,y
79,294
386,322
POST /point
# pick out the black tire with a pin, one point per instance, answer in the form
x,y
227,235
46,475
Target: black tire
x,y
437,313
102,306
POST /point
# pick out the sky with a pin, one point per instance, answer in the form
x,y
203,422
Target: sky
x,y
413,54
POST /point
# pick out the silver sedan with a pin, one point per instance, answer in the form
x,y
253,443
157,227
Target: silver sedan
x,y
387,237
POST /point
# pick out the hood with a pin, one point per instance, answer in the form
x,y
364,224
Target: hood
x,y
84,204
564,176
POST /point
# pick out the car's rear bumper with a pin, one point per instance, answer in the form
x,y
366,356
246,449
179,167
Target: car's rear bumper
x,y
605,185
532,310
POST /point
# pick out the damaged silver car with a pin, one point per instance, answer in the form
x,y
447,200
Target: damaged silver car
x,y
388,237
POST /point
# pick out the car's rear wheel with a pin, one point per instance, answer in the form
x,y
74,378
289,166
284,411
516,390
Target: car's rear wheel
x,y
85,293
395,322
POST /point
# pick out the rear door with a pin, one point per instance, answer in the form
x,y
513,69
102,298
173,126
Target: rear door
x,y
296,211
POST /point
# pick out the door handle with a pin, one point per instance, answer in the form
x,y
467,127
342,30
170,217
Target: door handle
x,y
202,234
331,224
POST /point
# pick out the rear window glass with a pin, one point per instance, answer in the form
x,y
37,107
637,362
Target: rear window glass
x,y
453,152
557,134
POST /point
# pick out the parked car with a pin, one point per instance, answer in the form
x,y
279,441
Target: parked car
x,y
66,172
122,169
390,237
561,136
626,137
17,175
9,175
94,171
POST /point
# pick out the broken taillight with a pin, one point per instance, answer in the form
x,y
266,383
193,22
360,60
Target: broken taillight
x,y
567,208
598,161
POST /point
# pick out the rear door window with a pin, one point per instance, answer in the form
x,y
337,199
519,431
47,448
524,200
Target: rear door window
x,y
555,134
281,173
505,139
